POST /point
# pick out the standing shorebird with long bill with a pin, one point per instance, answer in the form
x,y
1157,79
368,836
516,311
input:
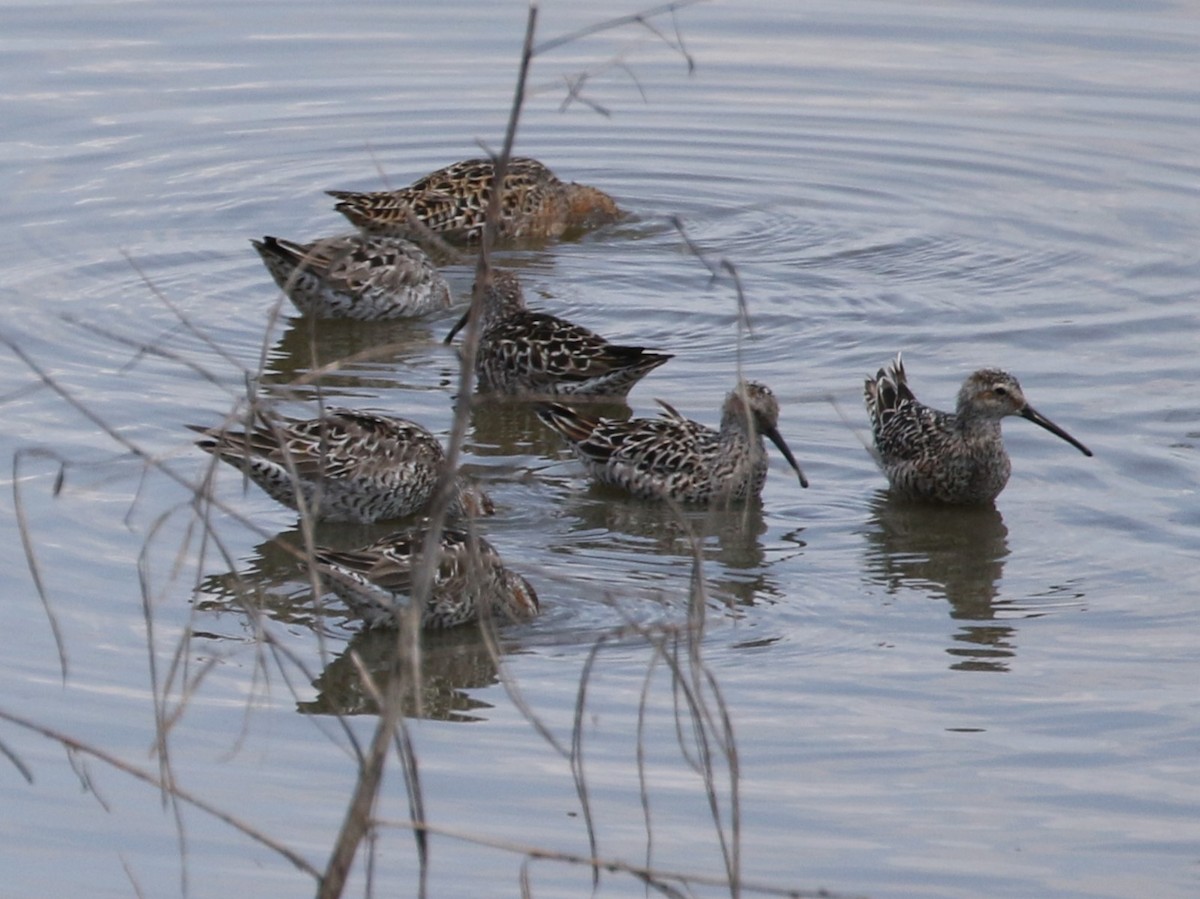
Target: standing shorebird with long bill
x,y
958,457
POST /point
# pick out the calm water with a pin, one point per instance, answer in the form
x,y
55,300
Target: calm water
x,y
997,703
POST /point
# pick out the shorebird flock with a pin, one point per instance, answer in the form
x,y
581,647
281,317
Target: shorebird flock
x,y
355,466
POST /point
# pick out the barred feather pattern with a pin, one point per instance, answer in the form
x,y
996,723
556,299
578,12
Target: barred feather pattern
x,y
348,465
372,278
675,458
535,353
452,202
470,583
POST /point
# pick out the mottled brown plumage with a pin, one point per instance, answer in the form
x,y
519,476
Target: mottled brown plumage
x,y
470,582
372,278
534,353
345,466
954,458
452,203
674,458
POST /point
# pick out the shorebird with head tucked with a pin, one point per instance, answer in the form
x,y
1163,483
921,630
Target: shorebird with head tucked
x,y
674,458
452,203
526,352
470,582
356,277
948,457
345,466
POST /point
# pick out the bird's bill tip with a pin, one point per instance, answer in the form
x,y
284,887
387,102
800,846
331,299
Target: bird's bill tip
x,y
458,326
777,439
1043,422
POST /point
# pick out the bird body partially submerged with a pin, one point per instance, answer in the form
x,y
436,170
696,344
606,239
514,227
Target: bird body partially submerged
x,y
534,353
674,458
345,466
956,458
452,203
363,278
469,581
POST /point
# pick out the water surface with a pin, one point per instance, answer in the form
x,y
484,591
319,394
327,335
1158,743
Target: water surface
x,y
997,702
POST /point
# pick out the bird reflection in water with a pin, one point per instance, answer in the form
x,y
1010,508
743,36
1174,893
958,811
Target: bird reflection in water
x,y
452,664
270,583
273,584
509,426
361,354
737,563
954,553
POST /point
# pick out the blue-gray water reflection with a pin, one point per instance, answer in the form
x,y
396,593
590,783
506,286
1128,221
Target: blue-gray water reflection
x,y
954,554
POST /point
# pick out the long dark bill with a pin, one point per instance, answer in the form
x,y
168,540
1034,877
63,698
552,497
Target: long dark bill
x,y
777,439
1042,421
462,322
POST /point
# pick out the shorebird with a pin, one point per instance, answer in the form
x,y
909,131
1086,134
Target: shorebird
x,y
346,466
452,202
365,278
525,352
674,458
470,582
947,457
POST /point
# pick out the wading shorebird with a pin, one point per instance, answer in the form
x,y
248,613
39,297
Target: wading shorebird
x,y
346,466
525,352
674,458
470,582
363,278
452,203
942,457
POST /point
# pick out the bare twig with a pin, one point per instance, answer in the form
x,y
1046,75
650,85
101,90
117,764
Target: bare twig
x,y
638,18
650,876
31,558
81,748
576,758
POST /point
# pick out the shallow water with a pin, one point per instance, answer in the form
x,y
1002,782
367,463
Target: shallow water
x,y
954,704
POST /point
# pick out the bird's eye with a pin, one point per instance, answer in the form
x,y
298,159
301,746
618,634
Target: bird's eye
x,y
1000,390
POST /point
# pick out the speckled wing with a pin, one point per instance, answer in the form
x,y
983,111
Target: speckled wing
x,y
670,447
376,264
544,353
527,184
658,446
342,443
912,433
349,443
453,201
363,566
370,580
365,278
394,211
387,563
470,579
